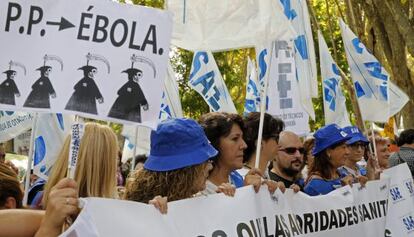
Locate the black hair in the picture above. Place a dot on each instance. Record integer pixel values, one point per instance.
(406, 137)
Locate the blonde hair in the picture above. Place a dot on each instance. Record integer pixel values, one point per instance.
(96, 166)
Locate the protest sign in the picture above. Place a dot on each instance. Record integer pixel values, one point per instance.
(344, 212)
(13, 124)
(98, 59)
(400, 219)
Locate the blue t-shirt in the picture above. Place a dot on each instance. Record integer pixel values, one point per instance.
(321, 187)
(343, 171)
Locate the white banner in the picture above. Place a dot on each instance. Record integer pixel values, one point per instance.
(344, 212)
(51, 131)
(219, 25)
(13, 124)
(206, 79)
(378, 99)
(283, 90)
(400, 219)
(333, 100)
(99, 59)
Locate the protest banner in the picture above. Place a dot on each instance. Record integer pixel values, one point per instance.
(98, 59)
(285, 100)
(13, 124)
(76, 134)
(400, 219)
(344, 212)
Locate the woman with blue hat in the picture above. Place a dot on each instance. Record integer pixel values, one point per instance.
(330, 152)
(357, 145)
(177, 166)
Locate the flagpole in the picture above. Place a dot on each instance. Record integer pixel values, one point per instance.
(135, 150)
(29, 161)
(263, 110)
(373, 141)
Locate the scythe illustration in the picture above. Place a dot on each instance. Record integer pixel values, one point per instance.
(90, 57)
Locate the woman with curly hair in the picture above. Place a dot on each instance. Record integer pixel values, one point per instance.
(177, 166)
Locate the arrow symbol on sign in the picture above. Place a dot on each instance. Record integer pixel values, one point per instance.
(63, 24)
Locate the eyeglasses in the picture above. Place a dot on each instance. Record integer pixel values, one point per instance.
(357, 145)
(292, 150)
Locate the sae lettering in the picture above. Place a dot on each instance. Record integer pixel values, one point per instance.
(408, 223)
(395, 194)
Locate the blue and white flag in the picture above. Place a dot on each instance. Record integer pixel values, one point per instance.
(252, 102)
(284, 94)
(51, 131)
(297, 12)
(13, 124)
(378, 99)
(206, 79)
(333, 99)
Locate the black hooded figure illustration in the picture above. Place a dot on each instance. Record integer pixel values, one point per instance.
(42, 90)
(130, 98)
(8, 89)
(86, 93)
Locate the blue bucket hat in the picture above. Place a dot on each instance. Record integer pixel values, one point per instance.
(327, 136)
(178, 143)
(355, 135)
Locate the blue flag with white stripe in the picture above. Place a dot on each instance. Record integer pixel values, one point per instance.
(378, 98)
(333, 99)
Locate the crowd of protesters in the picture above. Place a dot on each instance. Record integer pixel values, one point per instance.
(188, 158)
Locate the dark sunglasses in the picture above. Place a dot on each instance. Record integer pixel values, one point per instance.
(292, 150)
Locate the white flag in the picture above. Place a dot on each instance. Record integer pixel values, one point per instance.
(297, 12)
(372, 84)
(206, 79)
(252, 102)
(13, 124)
(333, 99)
(219, 25)
(51, 131)
(283, 91)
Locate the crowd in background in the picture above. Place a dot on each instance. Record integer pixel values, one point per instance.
(188, 158)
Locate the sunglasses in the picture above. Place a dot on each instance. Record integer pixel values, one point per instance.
(292, 150)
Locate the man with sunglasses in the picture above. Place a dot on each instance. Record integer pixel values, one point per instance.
(357, 145)
(288, 164)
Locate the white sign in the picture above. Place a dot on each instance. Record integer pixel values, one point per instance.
(400, 219)
(283, 90)
(99, 59)
(14, 123)
(344, 212)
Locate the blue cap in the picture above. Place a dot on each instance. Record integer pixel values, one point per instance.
(178, 143)
(355, 135)
(327, 136)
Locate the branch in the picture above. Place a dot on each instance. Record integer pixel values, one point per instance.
(403, 24)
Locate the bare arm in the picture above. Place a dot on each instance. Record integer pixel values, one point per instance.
(20, 222)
